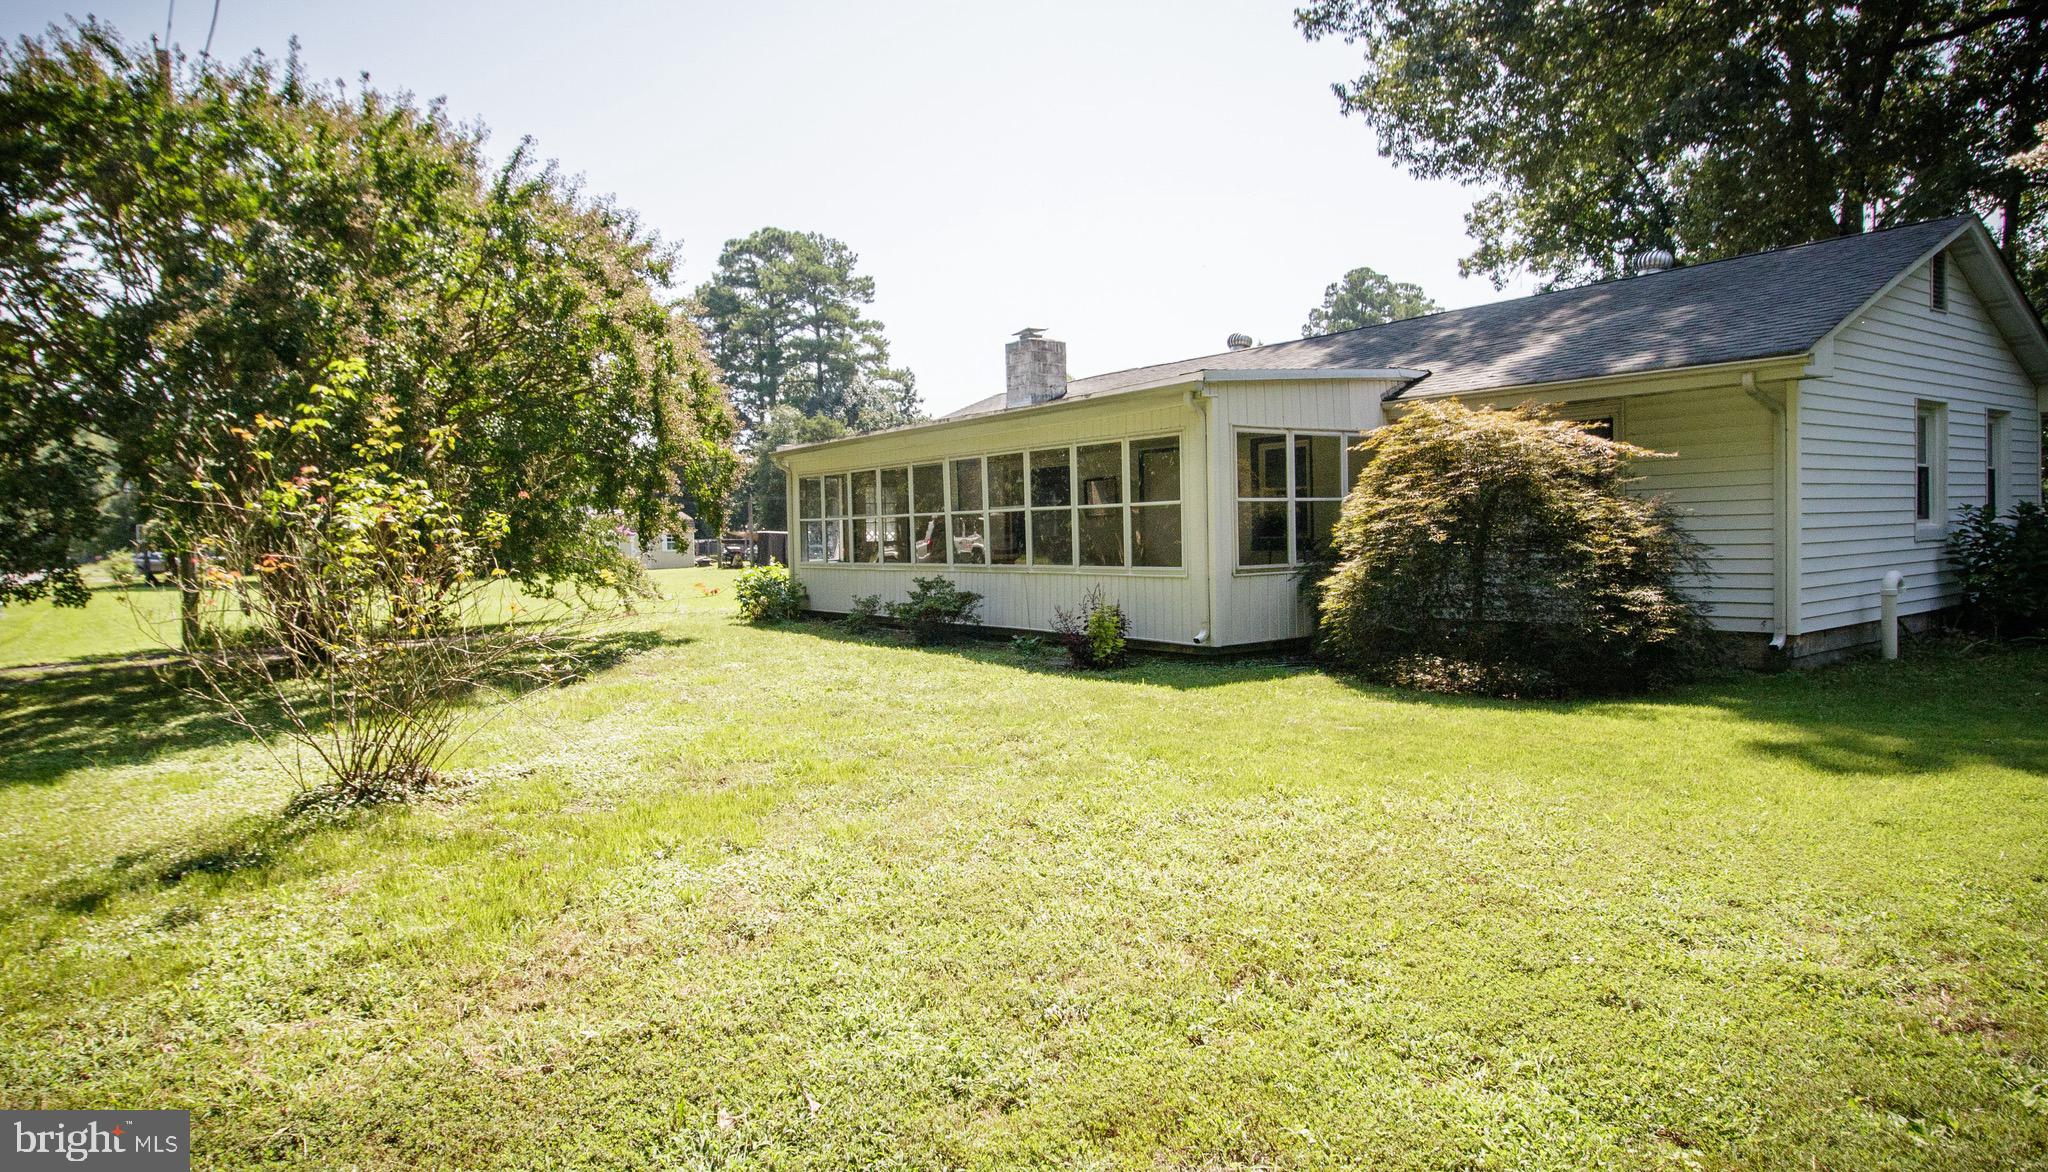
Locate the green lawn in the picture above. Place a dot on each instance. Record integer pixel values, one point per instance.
(791, 898)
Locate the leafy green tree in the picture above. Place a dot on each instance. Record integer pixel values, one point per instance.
(188, 248)
(785, 318)
(1706, 129)
(763, 495)
(1502, 551)
(1366, 297)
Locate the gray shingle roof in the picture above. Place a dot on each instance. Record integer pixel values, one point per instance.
(1761, 305)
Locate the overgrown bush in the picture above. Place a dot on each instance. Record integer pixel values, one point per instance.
(768, 594)
(1501, 552)
(1094, 633)
(936, 609)
(2002, 566)
(347, 616)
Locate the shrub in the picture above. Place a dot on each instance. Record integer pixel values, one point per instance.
(1094, 633)
(1027, 645)
(767, 594)
(1500, 552)
(346, 616)
(867, 608)
(935, 609)
(2002, 566)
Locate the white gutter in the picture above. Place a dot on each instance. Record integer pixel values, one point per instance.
(1314, 374)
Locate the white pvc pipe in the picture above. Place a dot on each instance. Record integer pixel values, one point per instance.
(1888, 621)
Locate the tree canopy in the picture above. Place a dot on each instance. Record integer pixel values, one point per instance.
(785, 316)
(189, 247)
(1366, 297)
(1706, 129)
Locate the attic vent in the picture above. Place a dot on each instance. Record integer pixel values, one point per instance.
(1238, 341)
(1649, 260)
(1938, 298)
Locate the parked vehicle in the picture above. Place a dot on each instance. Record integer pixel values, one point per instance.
(151, 562)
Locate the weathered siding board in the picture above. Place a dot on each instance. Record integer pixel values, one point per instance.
(1856, 446)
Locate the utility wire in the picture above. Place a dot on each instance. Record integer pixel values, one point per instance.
(208, 50)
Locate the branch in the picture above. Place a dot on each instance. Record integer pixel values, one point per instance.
(1982, 20)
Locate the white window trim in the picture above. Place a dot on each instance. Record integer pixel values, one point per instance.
(1998, 462)
(1073, 509)
(1347, 476)
(1934, 526)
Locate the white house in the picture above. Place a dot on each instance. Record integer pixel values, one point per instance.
(1828, 408)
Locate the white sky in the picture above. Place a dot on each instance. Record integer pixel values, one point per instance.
(1140, 178)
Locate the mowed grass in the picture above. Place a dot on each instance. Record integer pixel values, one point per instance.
(790, 898)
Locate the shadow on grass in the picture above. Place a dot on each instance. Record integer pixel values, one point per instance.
(1939, 708)
(249, 843)
(128, 714)
(1155, 668)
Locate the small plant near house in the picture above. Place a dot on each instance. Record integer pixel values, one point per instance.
(2002, 566)
(1028, 646)
(1094, 633)
(936, 609)
(1502, 552)
(767, 594)
(866, 613)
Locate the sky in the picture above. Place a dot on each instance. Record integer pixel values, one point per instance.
(1141, 178)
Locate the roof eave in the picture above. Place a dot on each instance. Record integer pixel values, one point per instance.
(1035, 409)
(1765, 366)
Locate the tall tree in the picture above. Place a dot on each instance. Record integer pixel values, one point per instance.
(1707, 129)
(761, 500)
(1366, 297)
(186, 249)
(785, 318)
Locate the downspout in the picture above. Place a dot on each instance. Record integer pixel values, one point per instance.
(1199, 397)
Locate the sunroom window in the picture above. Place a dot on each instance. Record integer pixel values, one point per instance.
(1101, 505)
(1290, 489)
(1052, 498)
(928, 521)
(1006, 509)
(1155, 502)
(970, 522)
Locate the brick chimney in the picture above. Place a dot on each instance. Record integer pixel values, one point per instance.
(1036, 369)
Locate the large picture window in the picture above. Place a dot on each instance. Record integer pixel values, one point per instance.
(1290, 488)
(1106, 505)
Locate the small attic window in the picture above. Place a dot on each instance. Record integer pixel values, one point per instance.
(1938, 295)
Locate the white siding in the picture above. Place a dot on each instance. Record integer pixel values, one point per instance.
(1722, 482)
(1856, 447)
(1165, 606)
(1260, 605)
(1719, 475)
